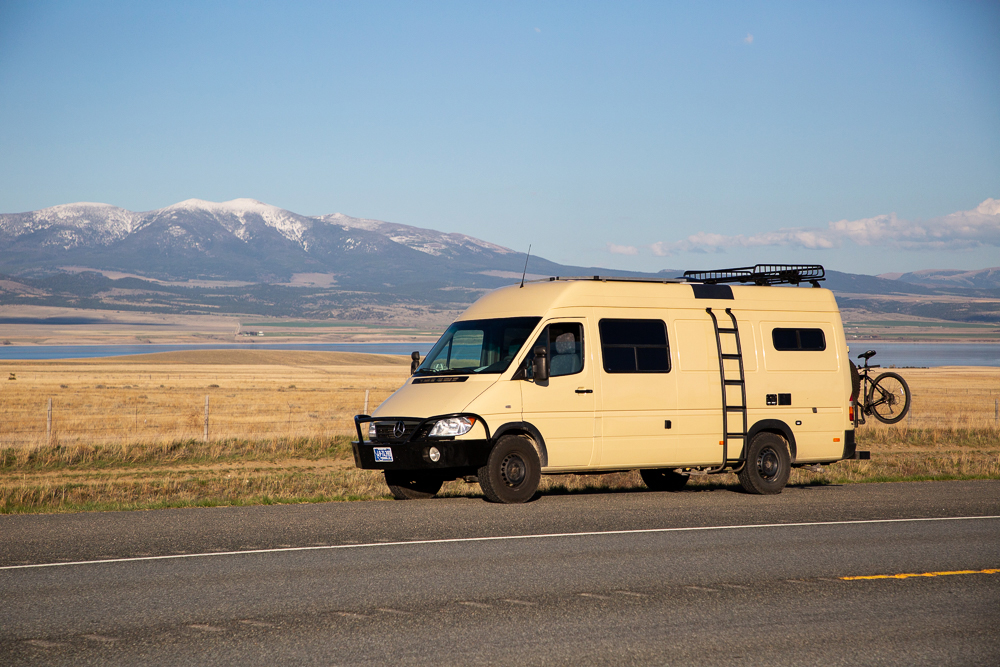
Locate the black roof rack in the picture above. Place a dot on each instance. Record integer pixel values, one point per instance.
(761, 274)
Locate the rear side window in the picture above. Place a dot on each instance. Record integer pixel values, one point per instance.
(634, 346)
(808, 340)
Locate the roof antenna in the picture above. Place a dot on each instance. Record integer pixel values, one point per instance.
(525, 272)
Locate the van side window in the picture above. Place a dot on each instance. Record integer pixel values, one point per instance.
(809, 340)
(565, 346)
(634, 346)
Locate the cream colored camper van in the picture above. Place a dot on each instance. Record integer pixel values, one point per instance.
(591, 375)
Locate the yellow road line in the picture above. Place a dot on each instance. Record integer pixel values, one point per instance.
(921, 574)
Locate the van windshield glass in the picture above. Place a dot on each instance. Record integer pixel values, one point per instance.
(478, 346)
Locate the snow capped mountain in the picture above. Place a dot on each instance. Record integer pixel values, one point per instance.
(84, 224)
(241, 216)
(981, 279)
(72, 225)
(425, 240)
(242, 239)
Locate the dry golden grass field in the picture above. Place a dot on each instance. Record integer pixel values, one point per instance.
(252, 394)
(128, 432)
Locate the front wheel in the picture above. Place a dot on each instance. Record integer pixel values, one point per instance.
(663, 480)
(889, 398)
(405, 485)
(767, 466)
(512, 471)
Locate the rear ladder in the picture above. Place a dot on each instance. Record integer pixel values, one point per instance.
(727, 382)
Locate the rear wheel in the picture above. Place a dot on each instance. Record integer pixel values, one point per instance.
(889, 398)
(768, 465)
(663, 480)
(512, 472)
(407, 485)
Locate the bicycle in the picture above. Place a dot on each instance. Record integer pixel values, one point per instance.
(887, 397)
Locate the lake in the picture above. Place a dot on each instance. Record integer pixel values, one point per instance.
(928, 354)
(39, 352)
(898, 354)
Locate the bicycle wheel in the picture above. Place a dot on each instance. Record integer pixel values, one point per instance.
(889, 398)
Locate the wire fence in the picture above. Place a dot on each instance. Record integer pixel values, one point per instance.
(950, 407)
(50, 413)
(210, 417)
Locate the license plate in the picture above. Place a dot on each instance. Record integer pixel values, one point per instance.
(383, 454)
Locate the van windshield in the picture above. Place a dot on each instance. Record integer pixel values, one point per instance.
(478, 346)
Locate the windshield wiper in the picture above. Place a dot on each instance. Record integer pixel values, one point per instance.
(445, 371)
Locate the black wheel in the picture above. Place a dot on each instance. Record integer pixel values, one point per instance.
(512, 472)
(889, 398)
(409, 485)
(663, 480)
(767, 466)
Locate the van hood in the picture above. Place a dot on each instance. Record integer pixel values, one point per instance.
(430, 399)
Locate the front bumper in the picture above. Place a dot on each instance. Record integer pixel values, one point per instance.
(411, 452)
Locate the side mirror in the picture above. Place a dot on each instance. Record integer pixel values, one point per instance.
(540, 364)
(414, 362)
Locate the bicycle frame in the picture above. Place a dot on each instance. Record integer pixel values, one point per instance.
(862, 405)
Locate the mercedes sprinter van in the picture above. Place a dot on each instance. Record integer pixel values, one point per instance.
(594, 375)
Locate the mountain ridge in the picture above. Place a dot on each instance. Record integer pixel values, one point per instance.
(988, 278)
(248, 256)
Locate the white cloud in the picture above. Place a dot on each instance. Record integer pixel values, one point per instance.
(955, 231)
(538, 29)
(622, 249)
(748, 39)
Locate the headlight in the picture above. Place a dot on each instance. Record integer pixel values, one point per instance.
(451, 427)
(371, 431)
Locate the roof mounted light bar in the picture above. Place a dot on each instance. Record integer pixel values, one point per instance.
(761, 274)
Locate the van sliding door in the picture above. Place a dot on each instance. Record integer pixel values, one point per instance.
(638, 391)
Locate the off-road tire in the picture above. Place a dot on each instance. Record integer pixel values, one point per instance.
(767, 466)
(512, 471)
(663, 479)
(411, 485)
(892, 395)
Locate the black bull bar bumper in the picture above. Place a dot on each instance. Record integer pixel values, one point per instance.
(411, 451)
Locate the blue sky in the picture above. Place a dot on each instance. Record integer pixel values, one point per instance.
(626, 135)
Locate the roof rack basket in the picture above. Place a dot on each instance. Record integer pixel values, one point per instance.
(761, 274)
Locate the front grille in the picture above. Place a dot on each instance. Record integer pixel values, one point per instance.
(387, 431)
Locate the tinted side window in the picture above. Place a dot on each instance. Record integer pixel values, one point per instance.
(634, 346)
(810, 340)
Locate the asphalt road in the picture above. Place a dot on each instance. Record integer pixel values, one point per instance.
(698, 577)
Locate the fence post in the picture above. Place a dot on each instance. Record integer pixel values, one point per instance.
(206, 418)
(48, 425)
(366, 402)
(996, 410)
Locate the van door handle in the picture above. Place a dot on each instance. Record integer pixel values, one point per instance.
(581, 390)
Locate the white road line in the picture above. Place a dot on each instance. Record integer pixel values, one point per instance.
(498, 538)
